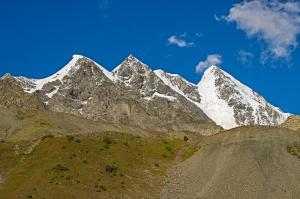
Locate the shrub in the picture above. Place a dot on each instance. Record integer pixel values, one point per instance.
(111, 169)
(168, 148)
(108, 140)
(101, 188)
(70, 138)
(294, 149)
(185, 138)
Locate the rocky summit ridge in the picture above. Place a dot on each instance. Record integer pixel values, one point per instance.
(134, 94)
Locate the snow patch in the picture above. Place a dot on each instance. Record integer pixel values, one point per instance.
(53, 92)
(162, 75)
(66, 70)
(216, 109)
(156, 94)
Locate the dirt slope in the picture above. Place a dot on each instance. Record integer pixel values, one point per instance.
(293, 122)
(247, 162)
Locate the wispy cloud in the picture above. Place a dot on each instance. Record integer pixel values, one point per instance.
(275, 23)
(180, 41)
(214, 59)
(245, 57)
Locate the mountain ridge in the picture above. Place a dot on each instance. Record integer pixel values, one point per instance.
(133, 80)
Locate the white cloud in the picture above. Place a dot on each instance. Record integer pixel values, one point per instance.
(245, 57)
(213, 59)
(275, 23)
(179, 41)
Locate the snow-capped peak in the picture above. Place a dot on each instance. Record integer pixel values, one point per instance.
(225, 100)
(72, 66)
(132, 58)
(32, 85)
(131, 63)
(230, 103)
(6, 75)
(130, 70)
(106, 72)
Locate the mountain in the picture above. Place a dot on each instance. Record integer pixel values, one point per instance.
(225, 100)
(230, 103)
(135, 94)
(132, 94)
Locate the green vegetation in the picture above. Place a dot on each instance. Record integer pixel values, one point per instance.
(21, 115)
(88, 167)
(32, 126)
(294, 149)
(111, 169)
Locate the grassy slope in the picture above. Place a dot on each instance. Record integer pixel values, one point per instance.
(30, 125)
(141, 164)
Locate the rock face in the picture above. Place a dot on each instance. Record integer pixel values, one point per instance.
(13, 97)
(180, 85)
(134, 94)
(230, 103)
(225, 100)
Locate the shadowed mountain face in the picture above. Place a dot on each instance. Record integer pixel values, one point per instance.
(134, 94)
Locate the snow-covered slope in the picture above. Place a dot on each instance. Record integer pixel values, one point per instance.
(224, 99)
(32, 85)
(230, 103)
(179, 85)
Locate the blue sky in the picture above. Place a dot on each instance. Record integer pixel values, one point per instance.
(38, 37)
